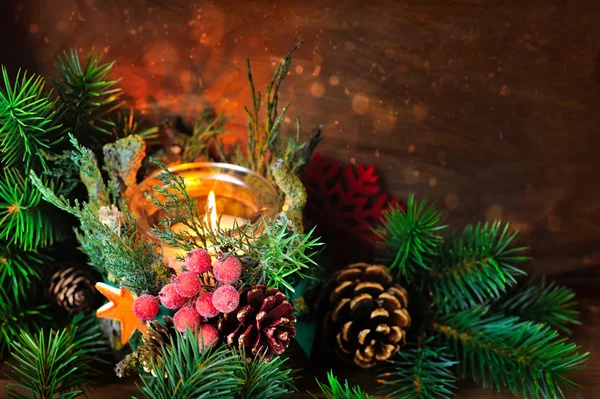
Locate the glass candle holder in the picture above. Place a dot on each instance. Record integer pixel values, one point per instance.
(240, 194)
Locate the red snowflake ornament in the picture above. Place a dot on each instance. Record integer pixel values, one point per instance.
(345, 203)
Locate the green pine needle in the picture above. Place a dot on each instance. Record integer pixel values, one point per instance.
(410, 239)
(499, 351)
(56, 364)
(335, 390)
(264, 380)
(420, 372)
(22, 220)
(185, 372)
(542, 302)
(17, 315)
(27, 126)
(19, 268)
(476, 267)
(89, 96)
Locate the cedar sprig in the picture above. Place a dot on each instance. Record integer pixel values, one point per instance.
(476, 267)
(89, 96)
(410, 238)
(542, 302)
(28, 124)
(334, 389)
(422, 371)
(186, 372)
(500, 351)
(56, 364)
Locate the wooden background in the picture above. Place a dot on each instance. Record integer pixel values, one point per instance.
(487, 106)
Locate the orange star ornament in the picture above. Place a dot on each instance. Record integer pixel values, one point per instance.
(120, 308)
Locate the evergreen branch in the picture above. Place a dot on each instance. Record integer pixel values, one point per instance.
(27, 121)
(476, 267)
(420, 372)
(410, 239)
(186, 372)
(541, 302)
(131, 122)
(17, 315)
(499, 351)
(89, 97)
(22, 221)
(264, 380)
(19, 268)
(209, 126)
(56, 364)
(335, 390)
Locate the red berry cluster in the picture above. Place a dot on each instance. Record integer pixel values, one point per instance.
(184, 293)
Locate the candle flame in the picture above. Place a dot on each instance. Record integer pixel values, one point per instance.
(211, 208)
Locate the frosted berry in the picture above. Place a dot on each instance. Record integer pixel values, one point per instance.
(145, 307)
(207, 336)
(228, 270)
(170, 298)
(205, 307)
(226, 299)
(187, 284)
(186, 317)
(198, 261)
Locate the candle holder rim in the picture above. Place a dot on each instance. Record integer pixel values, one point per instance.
(224, 165)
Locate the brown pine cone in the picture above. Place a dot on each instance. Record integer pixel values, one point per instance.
(72, 288)
(368, 315)
(263, 323)
(158, 337)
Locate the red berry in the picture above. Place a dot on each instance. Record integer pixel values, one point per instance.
(226, 299)
(187, 284)
(228, 270)
(205, 307)
(207, 336)
(170, 298)
(198, 261)
(145, 307)
(186, 317)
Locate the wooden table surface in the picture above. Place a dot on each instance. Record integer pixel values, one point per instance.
(587, 335)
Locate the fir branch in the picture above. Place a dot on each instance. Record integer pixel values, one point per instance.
(335, 390)
(186, 372)
(56, 364)
(528, 358)
(17, 315)
(27, 121)
(476, 267)
(410, 239)
(264, 380)
(22, 220)
(420, 372)
(19, 268)
(541, 302)
(89, 96)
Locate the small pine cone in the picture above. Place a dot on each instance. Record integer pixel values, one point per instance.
(262, 323)
(72, 289)
(368, 315)
(158, 338)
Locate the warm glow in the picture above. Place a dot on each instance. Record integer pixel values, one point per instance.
(211, 208)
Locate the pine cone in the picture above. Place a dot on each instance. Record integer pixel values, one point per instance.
(262, 323)
(72, 289)
(368, 314)
(157, 339)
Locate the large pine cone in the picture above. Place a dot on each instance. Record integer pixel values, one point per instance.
(72, 288)
(263, 323)
(157, 339)
(368, 315)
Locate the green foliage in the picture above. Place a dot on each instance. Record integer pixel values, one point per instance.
(420, 372)
(476, 267)
(499, 351)
(263, 380)
(208, 127)
(27, 121)
(56, 364)
(115, 250)
(130, 122)
(335, 390)
(542, 302)
(89, 97)
(19, 268)
(271, 250)
(17, 315)
(410, 239)
(186, 372)
(22, 221)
